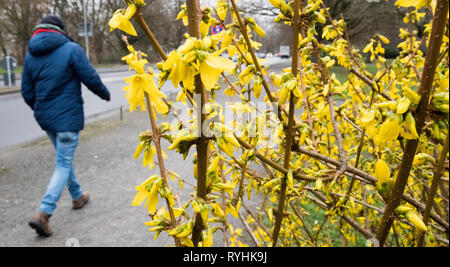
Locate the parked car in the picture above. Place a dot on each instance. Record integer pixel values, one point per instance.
(285, 51)
(261, 55)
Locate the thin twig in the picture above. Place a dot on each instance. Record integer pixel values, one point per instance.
(250, 49)
(300, 217)
(433, 189)
(157, 141)
(248, 229)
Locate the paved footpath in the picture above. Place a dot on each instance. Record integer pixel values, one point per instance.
(105, 168)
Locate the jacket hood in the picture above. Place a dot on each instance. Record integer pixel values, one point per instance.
(46, 42)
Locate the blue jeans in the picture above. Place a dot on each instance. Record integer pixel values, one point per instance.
(65, 144)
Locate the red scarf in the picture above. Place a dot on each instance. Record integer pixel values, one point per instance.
(44, 30)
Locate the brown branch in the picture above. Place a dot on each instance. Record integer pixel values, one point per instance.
(250, 49)
(244, 33)
(331, 104)
(248, 229)
(433, 189)
(420, 206)
(299, 215)
(157, 140)
(307, 107)
(356, 200)
(366, 233)
(338, 135)
(139, 18)
(437, 32)
(358, 155)
(291, 121)
(193, 11)
(256, 219)
(224, 205)
(296, 175)
(370, 83)
(162, 170)
(369, 178)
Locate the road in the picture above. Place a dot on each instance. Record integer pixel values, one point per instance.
(17, 124)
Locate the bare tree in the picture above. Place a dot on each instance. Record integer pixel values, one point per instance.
(4, 36)
(160, 16)
(98, 14)
(19, 18)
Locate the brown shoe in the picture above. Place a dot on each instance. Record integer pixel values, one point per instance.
(79, 203)
(40, 223)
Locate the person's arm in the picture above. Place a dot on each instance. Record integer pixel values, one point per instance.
(28, 93)
(87, 74)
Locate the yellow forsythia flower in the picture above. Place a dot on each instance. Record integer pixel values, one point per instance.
(121, 20)
(148, 190)
(389, 130)
(368, 117)
(403, 105)
(382, 172)
(193, 58)
(408, 129)
(222, 8)
(140, 84)
(212, 67)
(276, 3)
(418, 4)
(140, 2)
(412, 216)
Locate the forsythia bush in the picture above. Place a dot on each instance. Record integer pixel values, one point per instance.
(356, 161)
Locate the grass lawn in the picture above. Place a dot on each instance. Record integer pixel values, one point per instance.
(107, 66)
(342, 73)
(328, 231)
(18, 70)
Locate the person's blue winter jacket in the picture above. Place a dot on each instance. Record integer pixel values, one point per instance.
(51, 82)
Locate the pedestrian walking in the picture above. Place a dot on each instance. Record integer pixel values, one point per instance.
(54, 68)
